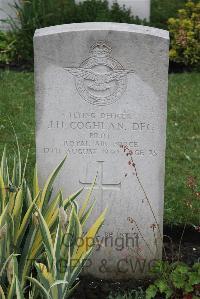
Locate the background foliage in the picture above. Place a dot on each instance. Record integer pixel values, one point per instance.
(37, 14)
(185, 36)
(16, 47)
(162, 10)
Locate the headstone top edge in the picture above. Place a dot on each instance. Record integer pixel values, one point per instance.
(95, 26)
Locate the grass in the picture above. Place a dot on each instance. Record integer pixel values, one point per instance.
(183, 133)
(17, 106)
(135, 294)
(183, 146)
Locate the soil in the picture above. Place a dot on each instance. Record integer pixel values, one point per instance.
(188, 252)
(179, 68)
(16, 67)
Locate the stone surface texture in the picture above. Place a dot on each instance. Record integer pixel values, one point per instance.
(6, 10)
(100, 86)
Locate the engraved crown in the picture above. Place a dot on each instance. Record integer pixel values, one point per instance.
(100, 49)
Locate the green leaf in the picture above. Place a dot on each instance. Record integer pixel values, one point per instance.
(85, 203)
(52, 209)
(182, 268)
(168, 293)
(40, 287)
(178, 281)
(67, 270)
(87, 214)
(3, 216)
(17, 211)
(12, 271)
(69, 292)
(194, 278)
(161, 285)
(2, 192)
(28, 196)
(196, 267)
(43, 275)
(151, 292)
(78, 267)
(188, 288)
(4, 168)
(164, 287)
(11, 290)
(19, 291)
(25, 165)
(48, 186)
(58, 282)
(90, 235)
(57, 244)
(46, 235)
(74, 233)
(2, 293)
(71, 198)
(36, 188)
(11, 230)
(14, 173)
(5, 264)
(25, 222)
(179, 275)
(26, 260)
(19, 164)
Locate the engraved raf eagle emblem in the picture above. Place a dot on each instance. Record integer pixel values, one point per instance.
(100, 79)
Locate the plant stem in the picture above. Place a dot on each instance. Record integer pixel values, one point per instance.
(143, 237)
(179, 248)
(152, 211)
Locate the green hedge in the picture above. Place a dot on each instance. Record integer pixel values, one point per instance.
(185, 36)
(37, 14)
(162, 10)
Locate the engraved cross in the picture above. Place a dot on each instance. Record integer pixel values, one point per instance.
(100, 185)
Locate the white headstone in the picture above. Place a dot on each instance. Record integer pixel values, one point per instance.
(100, 86)
(6, 9)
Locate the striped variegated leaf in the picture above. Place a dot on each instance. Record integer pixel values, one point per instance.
(24, 224)
(73, 234)
(87, 214)
(47, 241)
(2, 193)
(4, 168)
(2, 293)
(19, 291)
(89, 236)
(17, 211)
(40, 287)
(44, 275)
(48, 187)
(36, 188)
(88, 196)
